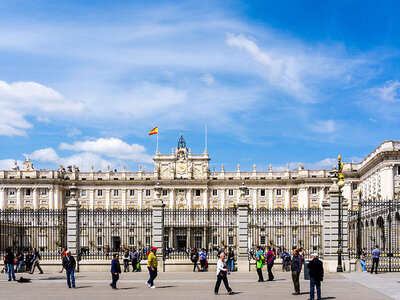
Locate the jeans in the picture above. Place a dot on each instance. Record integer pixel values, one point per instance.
(18, 268)
(260, 274)
(375, 262)
(363, 265)
(218, 283)
(126, 265)
(70, 277)
(134, 263)
(269, 268)
(296, 282)
(115, 278)
(10, 271)
(231, 264)
(153, 275)
(318, 285)
(36, 264)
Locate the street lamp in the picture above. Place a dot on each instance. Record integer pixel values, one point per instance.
(340, 185)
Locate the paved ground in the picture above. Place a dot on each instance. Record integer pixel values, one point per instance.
(199, 286)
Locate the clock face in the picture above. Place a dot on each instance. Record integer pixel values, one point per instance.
(181, 168)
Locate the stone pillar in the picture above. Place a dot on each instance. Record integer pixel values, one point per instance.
(243, 263)
(171, 199)
(51, 197)
(20, 191)
(223, 198)
(35, 197)
(255, 192)
(140, 199)
(91, 199)
(189, 199)
(108, 206)
(321, 196)
(123, 192)
(73, 231)
(56, 197)
(287, 198)
(205, 198)
(3, 204)
(271, 198)
(158, 226)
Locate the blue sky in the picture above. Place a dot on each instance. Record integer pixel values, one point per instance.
(276, 82)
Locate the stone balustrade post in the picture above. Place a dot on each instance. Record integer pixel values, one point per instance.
(158, 226)
(243, 264)
(73, 230)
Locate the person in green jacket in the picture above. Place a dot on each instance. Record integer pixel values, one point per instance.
(260, 258)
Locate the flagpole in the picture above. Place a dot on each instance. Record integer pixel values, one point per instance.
(157, 138)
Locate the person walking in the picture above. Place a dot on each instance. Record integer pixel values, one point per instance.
(194, 257)
(285, 260)
(203, 259)
(316, 271)
(134, 257)
(36, 261)
(62, 259)
(9, 262)
(260, 260)
(222, 273)
(115, 271)
(231, 260)
(375, 259)
(295, 266)
(270, 258)
(28, 261)
(20, 261)
(69, 265)
(126, 259)
(152, 265)
(363, 262)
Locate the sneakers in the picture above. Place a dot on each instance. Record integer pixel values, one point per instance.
(153, 287)
(148, 284)
(296, 293)
(215, 293)
(230, 293)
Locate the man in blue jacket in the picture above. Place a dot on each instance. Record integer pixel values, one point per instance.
(115, 271)
(295, 266)
(375, 259)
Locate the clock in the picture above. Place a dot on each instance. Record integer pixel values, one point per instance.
(181, 168)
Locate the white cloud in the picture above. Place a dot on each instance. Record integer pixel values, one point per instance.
(325, 164)
(111, 147)
(21, 99)
(73, 132)
(8, 164)
(45, 155)
(327, 126)
(208, 79)
(390, 91)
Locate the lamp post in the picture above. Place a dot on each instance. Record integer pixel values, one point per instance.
(341, 185)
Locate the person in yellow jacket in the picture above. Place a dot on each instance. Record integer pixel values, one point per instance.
(152, 267)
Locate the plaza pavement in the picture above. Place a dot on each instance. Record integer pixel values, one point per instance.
(52, 285)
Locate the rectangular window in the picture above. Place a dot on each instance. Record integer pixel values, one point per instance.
(355, 186)
(43, 192)
(262, 193)
(230, 192)
(215, 192)
(131, 240)
(83, 193)
(11, 192)
(247, 192)
(262, 240)
(67, 193)
(148, 240)
(165, 192)
(197, 193)
(294, 192)
(278, 192)
(131, 193)
(315, 240)
(100, 193)
(230, 241)
(27, 192)
(313, 191)
(148, 192)
(99, 241)
(215, 240)
(116, 193)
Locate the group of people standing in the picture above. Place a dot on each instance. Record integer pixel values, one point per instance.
(15, 263)
(376, 253)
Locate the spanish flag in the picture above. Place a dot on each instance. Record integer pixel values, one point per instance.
(154, 131)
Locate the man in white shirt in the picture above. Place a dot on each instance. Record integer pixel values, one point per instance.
(222, 273)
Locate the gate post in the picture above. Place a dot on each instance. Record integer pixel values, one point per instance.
(158, 225)
(73, 231)
(243, 264)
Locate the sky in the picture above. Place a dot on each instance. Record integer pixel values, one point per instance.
(275, 82)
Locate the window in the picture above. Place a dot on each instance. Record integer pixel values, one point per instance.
(148, 240)
(262, 193)
(215, 192)
(262, 240)
(131, 193)
(11, 192)
(230, 192)
(278, 192)
(315, 240)
(197, 193)
(313, 191)
(355, 186)
(116, 193)
(43, 192)
(247, 192)
(294, 192)
(83, 193)
(148, 192)
(67, 193)
(27, 192)
(165, 192)
(131, 240)
(99, 241)
(230, 241)
(398, 170)
(115, 178)
(215, 240)
(100, 193)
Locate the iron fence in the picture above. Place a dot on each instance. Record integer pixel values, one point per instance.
(103, 232)
(211, 229)
(286, 229)
(376, 223)
(25, 229)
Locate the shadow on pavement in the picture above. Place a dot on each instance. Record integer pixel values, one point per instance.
(83, 287)
(165, 286)
(127, 288)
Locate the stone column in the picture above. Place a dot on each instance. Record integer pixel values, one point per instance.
(3, 204)
(171, 198)
(91, 199)
(255, 192)
(189, 199)
(56, 197)
(271, 198)
(140, 198)
(321, 195)
(73, 231)
(108, 199)
(35, 197)
(243, 224)
(51, 197)
(287, 198)
(158, 226)
(19, 197)
(223, 198)
(123, 192)
(205, 198)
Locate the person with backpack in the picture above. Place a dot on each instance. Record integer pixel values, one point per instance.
(9, 262)
(260, 260)
(222, 272)
(203, 259)
(36, 261)
(194, 257)
(270, 258)
(69, 265)
(285, 260)
(316, 271)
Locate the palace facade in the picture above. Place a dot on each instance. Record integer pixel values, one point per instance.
(187, 182)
